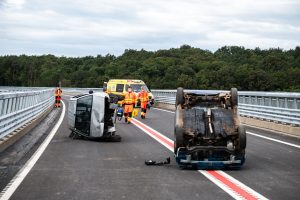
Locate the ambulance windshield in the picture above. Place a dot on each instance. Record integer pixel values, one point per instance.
(137, 87)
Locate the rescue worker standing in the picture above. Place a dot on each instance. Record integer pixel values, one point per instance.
(57, 94)
(129, 102)
(144, 99)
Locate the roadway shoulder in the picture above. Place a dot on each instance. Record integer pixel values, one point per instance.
(16, 155)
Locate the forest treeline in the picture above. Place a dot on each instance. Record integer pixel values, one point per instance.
(188, 67)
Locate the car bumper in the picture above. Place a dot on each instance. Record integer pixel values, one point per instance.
(184, 160)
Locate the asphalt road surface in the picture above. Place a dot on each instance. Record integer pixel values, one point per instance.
(82, 169)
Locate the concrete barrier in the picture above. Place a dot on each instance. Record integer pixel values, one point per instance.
(277, 127)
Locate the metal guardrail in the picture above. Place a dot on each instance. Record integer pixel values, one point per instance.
(81, 90)
(19, 107)
(282, 107)
(66, 89)
(15, 89)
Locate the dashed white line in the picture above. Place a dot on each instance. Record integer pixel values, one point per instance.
(164, 110)
(20, 176)
(272, 139)
(68, 95)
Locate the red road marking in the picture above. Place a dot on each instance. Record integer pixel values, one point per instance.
(231, 185)
(224, 180)
(155, 134)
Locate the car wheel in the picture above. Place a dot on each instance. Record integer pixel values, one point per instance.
(234, 97)
(179, 96)
(179, 141)
(242, 137)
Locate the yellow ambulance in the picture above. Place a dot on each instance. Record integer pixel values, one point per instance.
(119, 87)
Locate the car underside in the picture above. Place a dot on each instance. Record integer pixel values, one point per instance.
(208, 133)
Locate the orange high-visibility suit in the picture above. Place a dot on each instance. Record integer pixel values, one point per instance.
(129, 101)
(57, 94)
(144, 98)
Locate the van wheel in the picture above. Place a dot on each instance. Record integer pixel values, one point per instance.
(179, 96)
(234, 97)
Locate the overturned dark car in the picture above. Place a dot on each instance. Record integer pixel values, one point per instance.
(208, 133)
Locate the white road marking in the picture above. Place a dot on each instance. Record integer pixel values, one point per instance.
(272, 139)
(242, 185)
(164, 110)
(68, 95)
(233, 187)
(165, 141)
(20, 176)
(251, 133)
(221, 185)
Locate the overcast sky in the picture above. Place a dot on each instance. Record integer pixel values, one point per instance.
(92, 27)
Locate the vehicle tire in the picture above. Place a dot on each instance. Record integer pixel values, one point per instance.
(179, 96)
(178, 139)
(242, 137)
(234, 97)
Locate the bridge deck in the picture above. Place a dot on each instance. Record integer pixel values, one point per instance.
(80, 169)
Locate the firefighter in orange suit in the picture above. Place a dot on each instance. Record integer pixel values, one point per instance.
(57, 94)
(129, 103)
(144, 99)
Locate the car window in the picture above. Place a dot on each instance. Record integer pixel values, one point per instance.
(120, 88)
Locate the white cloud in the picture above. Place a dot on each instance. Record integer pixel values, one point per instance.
(18, 4)
(77, 28)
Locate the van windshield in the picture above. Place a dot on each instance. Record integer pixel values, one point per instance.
(137, 87)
